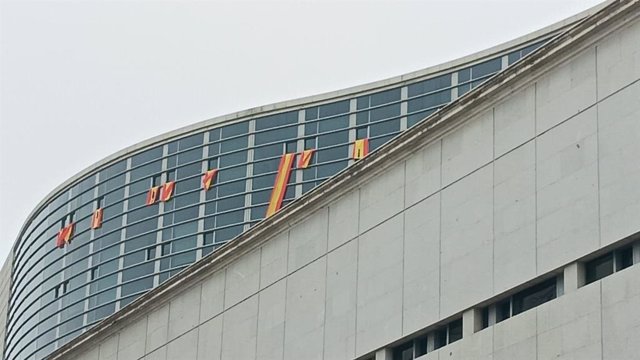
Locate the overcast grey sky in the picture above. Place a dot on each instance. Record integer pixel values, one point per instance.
(80, 80)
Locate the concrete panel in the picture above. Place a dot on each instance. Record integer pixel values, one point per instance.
(569, 327)
(184, 312)
(476, 347)
(210, 339)
(567, 182)
(157, 328)
(270, 335)
(109, 348)
(620, 315)
(515, 338)
(515, 218)
(343, 219)
(382, 198)
(159, 354)
(467, 148)
(308, 240)
(467, 242)
(243, 278)
(132, 339)
(379, 302)
(421, 281)
(423, 173)
(515, 121)
(305, 312)
(212, 296)
(239, 330)
(618, 60)
(184, 347)
(273, 262)
(90, 354)
(566, 90)
(340, 317)
(619, 149)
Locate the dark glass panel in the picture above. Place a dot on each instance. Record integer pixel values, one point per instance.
(429, 101)
(455, 330)
(430, 85)
(385, 97)
(233, 173)
(340, 107)
(385, 112)
(486, 68)
(335, 153)
(384, 128)
(146, 156)
(231, 188)
(534, 296)
(233, 144)
(331, 169)
(233, 159)
(268, 151)
(233, 217)
(311, 113)
(340, 137)
(272, 121)
(228, 233)
(232, 130)
(191, 141)
(599, 267)
(275, 135)
(336, 123)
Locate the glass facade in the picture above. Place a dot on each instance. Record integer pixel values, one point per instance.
(57, 293)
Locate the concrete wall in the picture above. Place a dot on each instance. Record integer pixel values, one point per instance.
(524, 188)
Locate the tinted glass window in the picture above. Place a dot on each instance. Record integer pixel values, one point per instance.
(534, 296)
(598, 268)
(268, 122)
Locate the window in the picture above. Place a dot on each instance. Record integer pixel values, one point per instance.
(599, 267)
(520, 302)
(419, 345)
(608, 263)
(534, 296)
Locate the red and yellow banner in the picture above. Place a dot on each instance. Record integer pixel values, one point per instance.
(209, 178)
(305, 158)
(167, 190)
(360, 148)
(96, 220)
(152, 195)
(64, 236)
(280, 185)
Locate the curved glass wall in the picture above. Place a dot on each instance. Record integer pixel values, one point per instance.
(57, 293)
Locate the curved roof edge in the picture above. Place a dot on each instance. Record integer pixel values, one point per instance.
(319, 98)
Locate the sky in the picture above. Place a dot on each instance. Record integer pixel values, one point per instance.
(80, 80)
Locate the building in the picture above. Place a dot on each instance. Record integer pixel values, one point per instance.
(500, 224)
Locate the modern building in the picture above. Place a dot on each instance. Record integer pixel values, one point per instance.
(485, 208)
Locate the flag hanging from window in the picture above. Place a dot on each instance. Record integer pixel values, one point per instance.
(360, 148)
(96, 220)
(209, 178)
(305, 158)
(167, 190)
(152, 195)
(280, 185)
(64, 236)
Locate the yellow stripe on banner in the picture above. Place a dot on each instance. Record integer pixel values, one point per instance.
(280, 185)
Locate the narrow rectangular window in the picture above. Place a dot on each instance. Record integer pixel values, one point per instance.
(599, 267)
(503, 310)
(455, 330)
(534, 296)
(624, 258)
